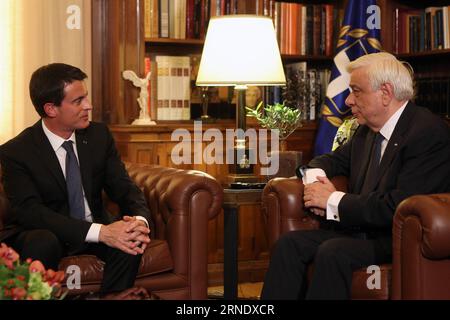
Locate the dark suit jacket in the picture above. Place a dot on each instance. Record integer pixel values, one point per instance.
(416, 161)
(36, 188)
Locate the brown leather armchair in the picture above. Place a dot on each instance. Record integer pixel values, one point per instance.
(283, 209)
(421, 248)
(421, 241)
(174, 266)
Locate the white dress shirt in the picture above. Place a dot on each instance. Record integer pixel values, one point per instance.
(386, 131)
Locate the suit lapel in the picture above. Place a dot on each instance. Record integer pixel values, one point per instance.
(45, 151)
(396, 140)
(85, 161)
(365, 161)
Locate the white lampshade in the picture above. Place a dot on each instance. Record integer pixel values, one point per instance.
(241, 50)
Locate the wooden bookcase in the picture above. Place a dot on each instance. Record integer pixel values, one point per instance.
(428, 65)
(119, 44)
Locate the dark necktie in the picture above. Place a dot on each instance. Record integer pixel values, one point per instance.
(74, 184)
(374, 164)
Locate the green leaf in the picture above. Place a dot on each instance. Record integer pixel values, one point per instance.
(277, 116)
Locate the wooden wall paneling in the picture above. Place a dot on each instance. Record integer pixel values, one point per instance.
(118, 45)
(387, 27)
(133, 59)
(98, 41)
(112, 90)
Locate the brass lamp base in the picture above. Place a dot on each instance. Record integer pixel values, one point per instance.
(242, 169)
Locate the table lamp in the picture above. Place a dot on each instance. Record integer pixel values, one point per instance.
(241, 51)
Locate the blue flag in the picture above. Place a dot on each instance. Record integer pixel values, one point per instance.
(359, 35)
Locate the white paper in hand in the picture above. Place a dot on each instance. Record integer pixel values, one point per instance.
(311, 175)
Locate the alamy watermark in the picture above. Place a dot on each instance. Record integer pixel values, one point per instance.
(73, 21)
(374, 20)
(73, 277)
(374, 280)
(190, 150)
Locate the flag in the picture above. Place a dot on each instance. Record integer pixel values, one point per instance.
(359, 35)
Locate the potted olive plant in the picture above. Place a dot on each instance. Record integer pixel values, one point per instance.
(286, 120)
(277, 116)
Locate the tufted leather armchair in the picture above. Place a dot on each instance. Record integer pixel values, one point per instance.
(421, 240)
(421, 248)
(174, 266)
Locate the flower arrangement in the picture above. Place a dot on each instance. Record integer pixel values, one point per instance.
(278, 116)
(27, 280)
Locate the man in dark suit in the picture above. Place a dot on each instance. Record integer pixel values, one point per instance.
(398, 150)
(53, 175)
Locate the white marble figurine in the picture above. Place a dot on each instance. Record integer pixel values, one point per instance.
(142, 83)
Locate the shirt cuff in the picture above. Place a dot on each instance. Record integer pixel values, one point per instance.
(142, 219)
(333, 205)
(93, 233)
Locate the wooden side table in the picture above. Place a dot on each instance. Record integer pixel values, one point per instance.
(233, 199)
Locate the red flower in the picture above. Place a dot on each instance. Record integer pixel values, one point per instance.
(8, 256)
(54, 277)
(20, 278)
(7, 293)
(18, 293)
(37, 266)
(19, 281)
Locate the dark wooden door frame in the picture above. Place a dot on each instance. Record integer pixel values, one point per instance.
(118, 44)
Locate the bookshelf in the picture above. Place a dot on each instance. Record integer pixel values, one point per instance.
(178, 42)
(119, 43)
(431, 64)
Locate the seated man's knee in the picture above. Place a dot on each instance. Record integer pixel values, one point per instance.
(120, 255)
(285, 240)
(42, 245)
(330, 249)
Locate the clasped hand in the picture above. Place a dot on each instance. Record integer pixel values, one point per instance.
(130, 235)
(315, 195)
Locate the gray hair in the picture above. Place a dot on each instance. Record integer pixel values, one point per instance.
(383, 67)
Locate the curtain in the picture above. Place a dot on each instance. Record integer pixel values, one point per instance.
(35, 33)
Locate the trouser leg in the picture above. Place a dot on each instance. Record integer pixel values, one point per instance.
(290, 257)
(120, 269)
(40, 245)
(335, 261)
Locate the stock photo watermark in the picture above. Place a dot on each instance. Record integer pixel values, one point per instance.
(374, 280)
(374, 20)
(73, 281)
(73, 21)
(190, 148)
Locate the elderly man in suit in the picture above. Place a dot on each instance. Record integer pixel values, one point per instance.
(398, 150)
(54, 173)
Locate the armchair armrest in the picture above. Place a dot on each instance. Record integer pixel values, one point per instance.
(421, 248)
(282, 206)
(425, 218)
(181, 203)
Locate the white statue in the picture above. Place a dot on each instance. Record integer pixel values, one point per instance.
(142, 83)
